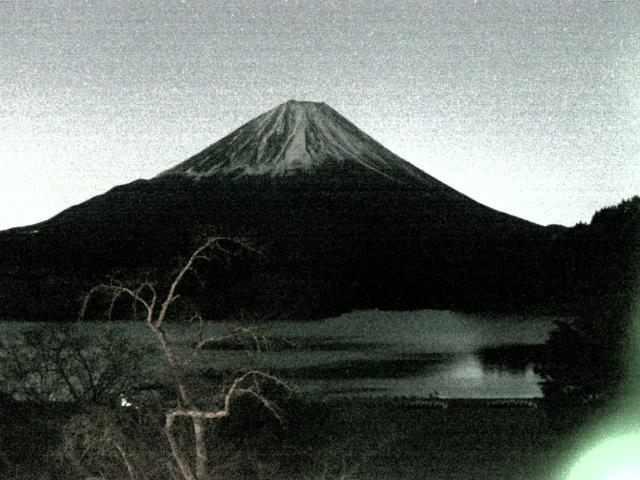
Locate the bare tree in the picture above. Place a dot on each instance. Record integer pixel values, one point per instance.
(154, 306)
(59, 363)
(93, 438)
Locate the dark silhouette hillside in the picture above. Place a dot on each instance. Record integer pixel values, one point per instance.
(343, 224)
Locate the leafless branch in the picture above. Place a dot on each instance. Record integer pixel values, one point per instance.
(156, 308)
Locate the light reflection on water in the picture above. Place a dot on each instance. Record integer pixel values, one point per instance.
(379, 353)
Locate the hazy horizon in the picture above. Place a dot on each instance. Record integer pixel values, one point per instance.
(530, 108)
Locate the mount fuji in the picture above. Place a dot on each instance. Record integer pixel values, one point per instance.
(344, 223)
(293, 138)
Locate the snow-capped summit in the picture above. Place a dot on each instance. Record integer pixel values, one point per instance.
(296, 137)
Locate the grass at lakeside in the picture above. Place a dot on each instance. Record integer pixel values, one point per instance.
(346, 439)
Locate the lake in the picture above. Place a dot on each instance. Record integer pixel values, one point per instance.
(376, 353)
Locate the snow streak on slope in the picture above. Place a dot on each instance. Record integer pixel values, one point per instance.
(296, 137)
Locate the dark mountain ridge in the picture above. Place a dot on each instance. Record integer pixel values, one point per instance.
(343, 223)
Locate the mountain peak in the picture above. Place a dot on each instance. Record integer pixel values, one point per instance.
(294, 137)
(302, 104)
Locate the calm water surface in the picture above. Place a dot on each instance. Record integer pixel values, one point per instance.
(376, 353)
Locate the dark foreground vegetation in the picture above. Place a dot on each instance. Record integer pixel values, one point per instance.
(589, 356)
(346, 439)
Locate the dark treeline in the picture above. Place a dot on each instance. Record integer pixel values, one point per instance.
(588, 356)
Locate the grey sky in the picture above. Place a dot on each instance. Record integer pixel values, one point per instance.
(531, 107)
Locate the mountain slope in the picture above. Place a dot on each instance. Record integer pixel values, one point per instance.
(344, 224)
(297, 137)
